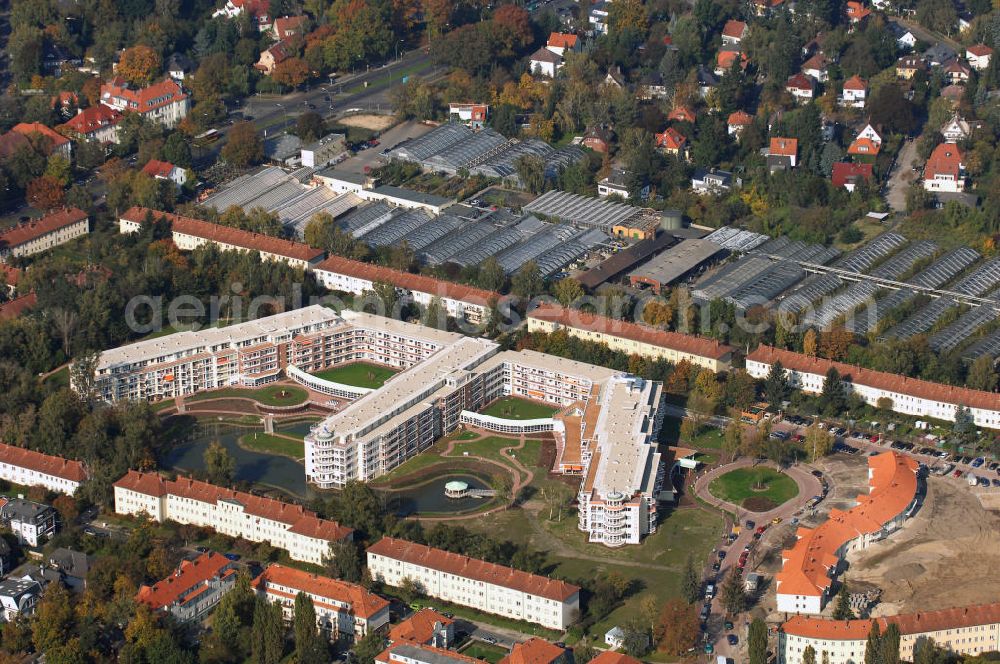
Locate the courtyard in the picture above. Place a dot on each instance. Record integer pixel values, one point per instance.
(514, 408)
(358, 374)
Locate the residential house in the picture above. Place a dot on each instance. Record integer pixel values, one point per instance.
(30, 468)
(472, 114)
(164, 102)
(979, 56)
(9, 277)
(537, 651)
(179, 66)
(958, 129)
(801, 87)
(651, 87)
(560, 42)
(18, 306)
(33, 134)
(817, 67)
(855, 92)
(599, 17)
(18, 597)
(726, 58)
(598, 139)
(713, 181)
(288, 26)
(905, 39)
(425, 627)
(545, 62)
(707, 80)
(74, 566)
(193, 590)
(908, 66)
(672, 142)
(164, 170)
(38, 235)
(733, 32)
(616, 184)
(408, 652)
(957, 72)
(939, 55)
(738, 122)
(681, 114)
(856, 13)
(95, 123)
(785, 148)
(325, 151)
(273, 56)
(849, 175)
(765, 7)
(945, 169)
(32, 523)
(864, 147)
(258, 9)
(614, 78)
(67, 103)
(953, 93)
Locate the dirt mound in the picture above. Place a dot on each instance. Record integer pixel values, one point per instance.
(759, 504)
(368, 121)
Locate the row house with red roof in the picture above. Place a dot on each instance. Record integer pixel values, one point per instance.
(42, 234)
(165, 102)
(343, 610)
(34, 134)
(476, 583)
(193, 590)
(293, 528)
(30, 468)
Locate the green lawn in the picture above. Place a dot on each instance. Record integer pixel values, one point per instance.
(737, 486)
(271, 444)
(492, 654)
(58, 379)
(513, 408)
(709, 438)
(358, 374)
(272, 395)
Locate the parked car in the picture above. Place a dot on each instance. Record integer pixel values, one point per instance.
(751, 525)
(958, 473)
(817, 473)
(995, 482)
(732, 639)
(977, 462)
(776, 520)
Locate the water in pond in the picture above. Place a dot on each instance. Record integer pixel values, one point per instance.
(430, 499)
(266, 469)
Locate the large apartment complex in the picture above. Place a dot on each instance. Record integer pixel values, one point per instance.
(909, 396)
(248, 354)
(624, 471)
(476, 583)
(632, 338)
(30, 468)
(343, 610)
(293, 528)
(808, 568)
(968, 630)
(193, 589)
(42, 234)
(190, 233)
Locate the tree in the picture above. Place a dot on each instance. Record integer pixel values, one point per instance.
(220, 466)
(734, 598)
(344, 561)
(527, 281)
(842, 610)
(809, 343)
(268, 633)
(501, 484)
(757, 642)
(54, 618)
(82, 373)
(531, 172)
(292, 72)
(243, 148)
(45, 193)
(435, 315)
(568, 291)
(657, 314)
(139, 65)
(635, 641)
(732, 437)
(776, 385)
(873, 644)
(809, 655)
(177, 151)
(309, 647)
(677, 628)
(983, 374)
(818, 443)
(833, 398)
(59, 169)
(367, 649)
(492, 276)
(889, 645)
(310, 127)
(690, 582)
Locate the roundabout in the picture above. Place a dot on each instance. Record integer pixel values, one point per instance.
(755, 488)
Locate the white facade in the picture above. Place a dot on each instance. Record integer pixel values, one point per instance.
(32, 523)
(30, 468)
(45, 233)
(978, 60)
(854, 97)
(525, 600)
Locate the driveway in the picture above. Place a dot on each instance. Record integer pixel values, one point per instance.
(902, 176)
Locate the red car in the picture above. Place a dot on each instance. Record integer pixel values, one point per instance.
(761, 529)
(873, 438)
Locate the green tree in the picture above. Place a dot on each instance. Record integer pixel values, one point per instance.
(531, 172)
(176, 150)
(842, 610)
(268, 633)
(310, 127)
(220, 466)
(691, 582)
(776, 385)
(732, 437)
(889, 645)
(243, 147)
(809, 655)
(359, 507)
(309, 645)
(54, 618)
(492, 276)
(983, 374)
(757, 642)
(833, 398)
(734, 598)
(527, 281)
(344, 561)
(568, 291)
(873, 646)
(366, 649)
(818, 443)
(435, 315)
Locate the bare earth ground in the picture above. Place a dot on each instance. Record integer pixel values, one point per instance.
(372, 122)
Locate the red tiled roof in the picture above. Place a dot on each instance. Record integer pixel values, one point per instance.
(889, 382)
(893, 482)
(434, 654)
(671, 139)
(855, 83)
(856, 11)
(286, 26)
(29, 128)
(740, 118)
(946, 159)
(545, 55)
(612, 657)
(150, 484)
(844, 173)
(725, 59)
(11, 275)
(42, 463)
(734, 29)
(785, 147)
(534, 651)
(267, 508)
(144, 99)
(155, 168)
(363, 603)
(684, 343)
(227, 235)
(979, 50)
(681, 114)
(413, 282)
(93, 118)
(191, 574)
(316, 528)
(473, 568)
(18, 235)
(18, 306)
(419, 628)
(864, 146)
(908, 623)
(562, 40)
(817, 62)
(799, 82)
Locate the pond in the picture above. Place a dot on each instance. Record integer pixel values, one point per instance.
(265, 469)
(429, 498)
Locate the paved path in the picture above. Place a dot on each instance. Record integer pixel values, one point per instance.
(808, 485)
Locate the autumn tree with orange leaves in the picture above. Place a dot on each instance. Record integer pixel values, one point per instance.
(45, 193)
(292, 72)
(676, 631)
(139, 65)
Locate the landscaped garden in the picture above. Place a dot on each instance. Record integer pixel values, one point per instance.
(514, 408)
(272, 395)
(274, 444)
(358, 374)
(758, 489)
